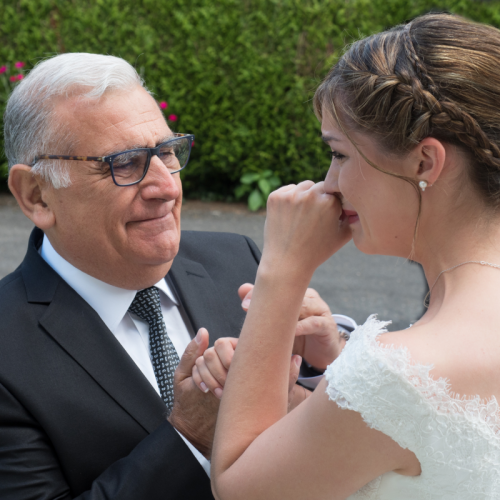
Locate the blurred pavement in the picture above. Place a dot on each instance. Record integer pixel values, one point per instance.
(351, 282)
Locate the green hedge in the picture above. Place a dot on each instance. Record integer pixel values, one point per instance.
(239, 74)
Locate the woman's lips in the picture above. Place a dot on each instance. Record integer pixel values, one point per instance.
(351, 216)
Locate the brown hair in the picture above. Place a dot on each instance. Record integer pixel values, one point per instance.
(438, 76)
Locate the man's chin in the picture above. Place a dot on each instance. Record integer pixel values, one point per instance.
(155, 253)
(153, 228)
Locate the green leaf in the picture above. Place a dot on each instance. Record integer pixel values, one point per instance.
(249, 178)
(255, 200)
(274, 182)
(241, 190)
(264, 187)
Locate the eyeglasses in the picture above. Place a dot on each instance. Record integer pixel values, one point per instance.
(130, 167)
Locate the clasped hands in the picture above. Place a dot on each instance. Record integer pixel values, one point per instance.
(202, 372)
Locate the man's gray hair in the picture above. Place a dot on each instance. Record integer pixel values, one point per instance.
(29, 127)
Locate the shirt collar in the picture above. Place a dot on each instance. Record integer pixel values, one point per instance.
(110, 302)
(165, 288)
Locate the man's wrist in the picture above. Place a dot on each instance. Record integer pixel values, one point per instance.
(202, 460)
(200, 443)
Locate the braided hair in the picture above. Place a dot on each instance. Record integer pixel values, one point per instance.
(438, 76)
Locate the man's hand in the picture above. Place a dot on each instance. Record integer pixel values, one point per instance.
(211, 369)
(194, 413)
(317, 338)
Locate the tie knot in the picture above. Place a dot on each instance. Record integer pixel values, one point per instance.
(146, 305)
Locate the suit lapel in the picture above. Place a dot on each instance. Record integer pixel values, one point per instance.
(78, 329)
(200, 298)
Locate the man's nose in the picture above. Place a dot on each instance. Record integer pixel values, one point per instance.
(159, 182)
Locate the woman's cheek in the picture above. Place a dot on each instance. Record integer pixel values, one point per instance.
(348, 186)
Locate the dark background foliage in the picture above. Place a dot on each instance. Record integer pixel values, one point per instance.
(239, 74)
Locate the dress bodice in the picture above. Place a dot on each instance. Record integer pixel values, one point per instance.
(456, 440)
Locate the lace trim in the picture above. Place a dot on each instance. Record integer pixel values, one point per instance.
(437, 392)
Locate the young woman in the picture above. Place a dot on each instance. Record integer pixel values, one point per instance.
(412, 118)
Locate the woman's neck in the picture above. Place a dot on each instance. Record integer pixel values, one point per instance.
(466, 236)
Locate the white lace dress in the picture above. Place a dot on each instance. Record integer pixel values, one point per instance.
(456, 440)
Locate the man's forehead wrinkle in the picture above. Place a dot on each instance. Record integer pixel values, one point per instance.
(137, 145)
(143, 135)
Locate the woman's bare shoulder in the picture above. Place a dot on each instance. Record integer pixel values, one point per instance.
(467, 359)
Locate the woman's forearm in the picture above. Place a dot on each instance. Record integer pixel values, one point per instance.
(303, 229)
(256, 391)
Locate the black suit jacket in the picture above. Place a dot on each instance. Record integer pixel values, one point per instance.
(78, 419)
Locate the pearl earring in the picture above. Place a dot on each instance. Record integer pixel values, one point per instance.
(422, 185)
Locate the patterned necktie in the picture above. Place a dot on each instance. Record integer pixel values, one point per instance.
(146, 305)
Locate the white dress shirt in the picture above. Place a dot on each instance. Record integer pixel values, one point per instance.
(111, 304)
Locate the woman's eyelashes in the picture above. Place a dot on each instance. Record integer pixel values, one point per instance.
(337, 156)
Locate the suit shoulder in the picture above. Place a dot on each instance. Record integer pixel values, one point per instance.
(197, 237)
(213, 240)
(208, 245)
(9, 283)
(13, 303)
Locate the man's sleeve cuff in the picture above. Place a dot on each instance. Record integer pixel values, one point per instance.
(203, 461)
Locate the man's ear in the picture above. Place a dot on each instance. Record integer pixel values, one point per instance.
(431, 156)
(29, 189)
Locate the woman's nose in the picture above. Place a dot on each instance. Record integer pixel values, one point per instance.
(332, 179)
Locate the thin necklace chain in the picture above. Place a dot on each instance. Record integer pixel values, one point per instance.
(481, 262)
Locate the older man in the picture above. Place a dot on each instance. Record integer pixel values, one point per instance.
(95, 319)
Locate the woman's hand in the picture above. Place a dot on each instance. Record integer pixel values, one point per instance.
(303, 228)
(210, 371)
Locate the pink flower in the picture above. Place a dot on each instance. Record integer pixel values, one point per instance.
(192, 144)
(12, 78)
(163, 105)
(3, 69)
(19, 77)
(172, 118)
(19, 64)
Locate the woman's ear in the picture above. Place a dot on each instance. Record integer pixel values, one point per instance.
(29, 189)
(431, 157)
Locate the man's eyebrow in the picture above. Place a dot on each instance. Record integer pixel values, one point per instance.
(165, 138)
(329, 138)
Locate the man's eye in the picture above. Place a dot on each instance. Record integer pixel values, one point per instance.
(166, 152)
(337, 156)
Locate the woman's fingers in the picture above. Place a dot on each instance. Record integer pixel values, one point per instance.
(225, 350)
(210, 370)
(245, 294)
(303, 227)
(207, 378)
(198, 380)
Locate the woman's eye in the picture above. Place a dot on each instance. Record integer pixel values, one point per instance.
(337, 156)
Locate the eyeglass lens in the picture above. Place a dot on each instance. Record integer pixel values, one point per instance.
(129, 167)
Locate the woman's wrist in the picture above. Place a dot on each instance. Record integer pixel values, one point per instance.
(284, 270)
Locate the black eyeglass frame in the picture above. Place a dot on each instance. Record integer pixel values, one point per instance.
(109, 159)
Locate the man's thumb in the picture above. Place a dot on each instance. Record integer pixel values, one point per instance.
(193, 351)
(295, 363)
